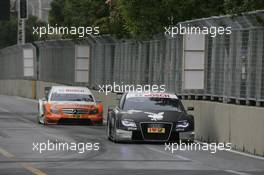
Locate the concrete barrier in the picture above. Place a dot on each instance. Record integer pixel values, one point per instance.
(22, 88)
(243, 126)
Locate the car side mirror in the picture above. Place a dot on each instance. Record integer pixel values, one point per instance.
(110, 108)
(98, 101)
(47, 90)
(43, 100)
(119, 96)
(190, 108)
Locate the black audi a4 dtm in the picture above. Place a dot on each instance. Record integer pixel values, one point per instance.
(149, 116)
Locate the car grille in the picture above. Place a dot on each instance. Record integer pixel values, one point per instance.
(75, 111)
(156, 136)
(72, 121)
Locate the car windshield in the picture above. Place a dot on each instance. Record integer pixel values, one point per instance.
(71, 97)
(153, 103)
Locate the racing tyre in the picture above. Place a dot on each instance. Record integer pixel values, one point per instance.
(114, 135)
(109, 136)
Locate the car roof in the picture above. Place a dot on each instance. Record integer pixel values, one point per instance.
(70, 90)
(151, 94)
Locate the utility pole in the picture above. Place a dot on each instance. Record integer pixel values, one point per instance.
(22, 17)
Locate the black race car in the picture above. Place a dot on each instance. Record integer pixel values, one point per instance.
(148, 116)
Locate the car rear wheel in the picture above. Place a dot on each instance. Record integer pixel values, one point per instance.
(109, 136)
(114, 134)
(100, 123)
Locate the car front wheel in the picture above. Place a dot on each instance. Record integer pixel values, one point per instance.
(41, 119)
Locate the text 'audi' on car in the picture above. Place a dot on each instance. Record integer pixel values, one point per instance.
(69, 105)
(149, 116)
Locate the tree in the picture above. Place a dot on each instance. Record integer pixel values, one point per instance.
(141, 19)
(117, 22)
(8, 30)
(145, 18)
(239, 6)
(80, 13)
(56, 14)
(88, 13)
(30, 23)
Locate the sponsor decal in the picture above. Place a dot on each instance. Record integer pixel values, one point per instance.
(72, 90)
(150, 95)
(131, 111)
(154, 116)
(159, 95)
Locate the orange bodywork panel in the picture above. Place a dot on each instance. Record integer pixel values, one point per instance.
(55, 112)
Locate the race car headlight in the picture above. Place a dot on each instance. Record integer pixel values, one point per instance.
(182, 124)
(54, 111)
(128, 123)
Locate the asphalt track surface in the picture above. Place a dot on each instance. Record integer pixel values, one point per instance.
(19, 130)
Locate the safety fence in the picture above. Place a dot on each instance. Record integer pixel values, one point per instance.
(229, 67)
(18, 62)
(234, 63)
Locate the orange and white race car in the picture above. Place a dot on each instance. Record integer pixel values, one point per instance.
(67, 105)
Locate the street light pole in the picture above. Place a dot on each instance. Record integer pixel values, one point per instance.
(21, 32)
(22, 16)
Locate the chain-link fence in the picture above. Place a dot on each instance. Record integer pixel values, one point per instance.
(149, 62)
(56, 61)
(232, 68)
(234, 63)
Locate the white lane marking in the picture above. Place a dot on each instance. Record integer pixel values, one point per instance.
(6, 154)
(157, 150)
(22, 118)
(32, 169)
(236, 172)
(238, 152)
(5, 110)
(27, 166)
(245, 154)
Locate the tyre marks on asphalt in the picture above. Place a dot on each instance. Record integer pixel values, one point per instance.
(168, 154)
(26, 166)
(236, 172)
(4, 110)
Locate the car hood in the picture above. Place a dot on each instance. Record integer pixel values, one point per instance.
(152, 115)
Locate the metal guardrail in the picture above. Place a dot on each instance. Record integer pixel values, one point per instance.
(233, 63)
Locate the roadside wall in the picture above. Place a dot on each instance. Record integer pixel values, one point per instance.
(22, 88)
(243, 126)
